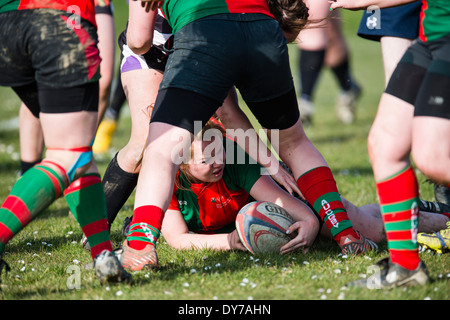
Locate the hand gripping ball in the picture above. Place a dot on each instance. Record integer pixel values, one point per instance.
(262, 226)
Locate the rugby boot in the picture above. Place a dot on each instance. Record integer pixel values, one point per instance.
(390, 275)
(306, 108)
(351, 245)
(85, 243)
(442, 194)
(109, 269)
(437, 241)
(434, 207)
(346, 105)
(126, 225)
(104, 136)
(3, 265)
(136, 260)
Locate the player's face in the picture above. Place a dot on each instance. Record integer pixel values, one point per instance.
(208, 161)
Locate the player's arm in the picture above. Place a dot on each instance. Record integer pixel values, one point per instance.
(177, 235)
(364, 4)
(306, 225)
(141, 24)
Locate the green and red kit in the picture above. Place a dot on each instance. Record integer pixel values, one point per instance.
(179, 12)
(434, 20)
(83, 8)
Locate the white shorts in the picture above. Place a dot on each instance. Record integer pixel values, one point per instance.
(132, 61)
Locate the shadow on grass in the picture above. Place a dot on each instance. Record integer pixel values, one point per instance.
(353, 171)
(176, 263)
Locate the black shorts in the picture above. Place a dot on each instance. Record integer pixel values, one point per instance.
(43, 52)
(422, 78)
(251, 54)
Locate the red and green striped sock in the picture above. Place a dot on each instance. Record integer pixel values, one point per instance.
(319, 189)
(86, 200)
(30, 195)
(399, 204)
(145, 226)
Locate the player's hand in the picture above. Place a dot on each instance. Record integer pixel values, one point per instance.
(347, 4)
(284, 178)
(306, 234)
(235, 242)
(151, 5)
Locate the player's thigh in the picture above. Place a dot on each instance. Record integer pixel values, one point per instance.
(162, 157)
(431, 132)
(392, 49)
(389, 141)
(68, 137)
(65, 113)
(69, 130)
(431, 139)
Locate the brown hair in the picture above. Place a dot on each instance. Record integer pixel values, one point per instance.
(292, 15)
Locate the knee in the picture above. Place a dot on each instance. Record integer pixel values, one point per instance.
(380, 148)
(229, 118)
(287, 145)
(79, 171)
(70, 165)
(83, 163)
(130, 157)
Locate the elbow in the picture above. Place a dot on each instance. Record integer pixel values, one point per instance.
(173, 243)
(139, 42)
(139, 46)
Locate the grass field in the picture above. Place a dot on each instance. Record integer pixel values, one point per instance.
(48, 262)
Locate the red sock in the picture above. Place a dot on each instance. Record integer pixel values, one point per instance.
(399, 204)
(320, 190)
(145, 226)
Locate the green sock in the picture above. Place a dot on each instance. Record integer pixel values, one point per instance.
(30, 195)
(86, 200)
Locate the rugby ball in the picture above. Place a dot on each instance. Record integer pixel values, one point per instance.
(262, 226)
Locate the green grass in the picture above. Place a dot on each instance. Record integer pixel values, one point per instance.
(42, 253)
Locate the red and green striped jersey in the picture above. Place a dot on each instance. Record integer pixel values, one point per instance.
(181, 12)
(83, 8)
(434, 19)
(213, 207)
